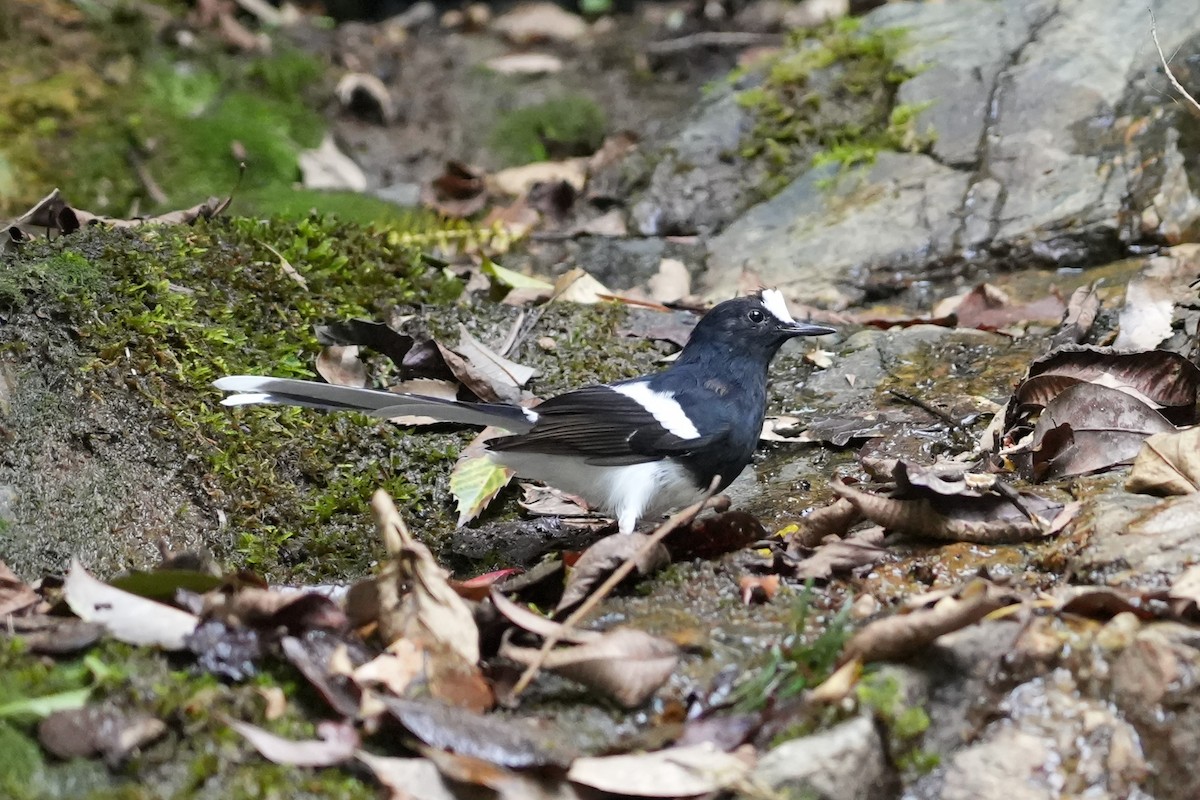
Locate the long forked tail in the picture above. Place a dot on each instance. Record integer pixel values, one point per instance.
(252, 389)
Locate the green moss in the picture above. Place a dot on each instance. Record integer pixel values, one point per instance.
(56, 277)
(905, 725)
(830, 99)
(566, 126)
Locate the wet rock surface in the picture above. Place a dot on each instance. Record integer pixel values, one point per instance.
(1049, 150)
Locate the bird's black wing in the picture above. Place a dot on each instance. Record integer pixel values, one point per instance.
(604, 426)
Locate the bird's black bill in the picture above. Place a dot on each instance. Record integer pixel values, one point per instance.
(807, 329)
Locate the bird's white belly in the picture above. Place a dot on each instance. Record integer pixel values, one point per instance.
(629, 493)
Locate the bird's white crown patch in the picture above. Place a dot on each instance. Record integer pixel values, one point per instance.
(772, 300)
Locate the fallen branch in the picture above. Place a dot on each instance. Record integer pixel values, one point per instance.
(710, 39)
(1195, 104)
(677, 520)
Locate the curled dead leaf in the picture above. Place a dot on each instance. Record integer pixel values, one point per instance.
(599, 561)
(1167, 464)
(902, 635)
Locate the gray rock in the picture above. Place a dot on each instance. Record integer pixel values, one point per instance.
(1053, 134)
(846, 761)
(694, 187)
(1138, 541)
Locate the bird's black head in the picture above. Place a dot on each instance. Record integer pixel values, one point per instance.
(754, 326)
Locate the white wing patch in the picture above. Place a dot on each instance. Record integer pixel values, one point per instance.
(772, 300)
(662, 407)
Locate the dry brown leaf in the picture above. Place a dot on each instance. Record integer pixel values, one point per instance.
(758, 588)
(902, 635)
(538, 22)
(459, 191)
(834, 519)
(105, 730)
(430, 612)
(366, 95)
(577, 286)
(1167, 464)
(409, 778)
(525, 64)
(599, 561)
(127, 617)
(15, 594)
(504, 741)
(625, 664)
(1082, 308)
(546, 501)
(674, 772)
(394, 670)
(980, 525)
(505, 376)
(337, 744)
(340, 365)
(838, 556)
(328, 168)
(1088, 428)
(672, 282)
(517, 181)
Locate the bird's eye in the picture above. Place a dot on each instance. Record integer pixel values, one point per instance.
(756, 316)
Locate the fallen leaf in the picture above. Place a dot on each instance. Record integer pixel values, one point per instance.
(338, 743)
(90, 731)
(989, 308)
(508, 784)
(1146, 319)
(340, 365)
(525, 64)
(15, 594)
(506, 741)
(625, 664)
(430, 612)
(673, 772)
(314, 655)
(902, 635)
(394, 670)
(1167, 464)
(758, 588)
(286, 267)
(513, 280)
(480, 587)
(366, 95)
(53, 635)
(459, 191)
(506, 377)
(672, 282)
(476, 479)
(546, 501)
(1089, 428)
(577, 286)
(517, 181)
(328, 168)
(540, 21)
(835, 556)
(381, 338)
(44, 705)
(834, 519)
(601, 559)
(127, 617)
(1082, 308)
(714, 536)
(409, 778)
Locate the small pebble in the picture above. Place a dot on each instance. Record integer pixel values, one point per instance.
(547, 344)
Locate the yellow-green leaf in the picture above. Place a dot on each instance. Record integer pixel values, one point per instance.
(476, 479)
(511, 278)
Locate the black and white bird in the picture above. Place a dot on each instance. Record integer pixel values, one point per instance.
(632, 449)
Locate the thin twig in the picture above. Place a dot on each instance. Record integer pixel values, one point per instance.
(1013, 496)
(1195, 104)
(677, 520)
(711, 39)
(510, 341)
(921, 404)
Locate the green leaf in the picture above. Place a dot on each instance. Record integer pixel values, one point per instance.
(474, 482)
(46, 704)
(511, 278)
(162, 584)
